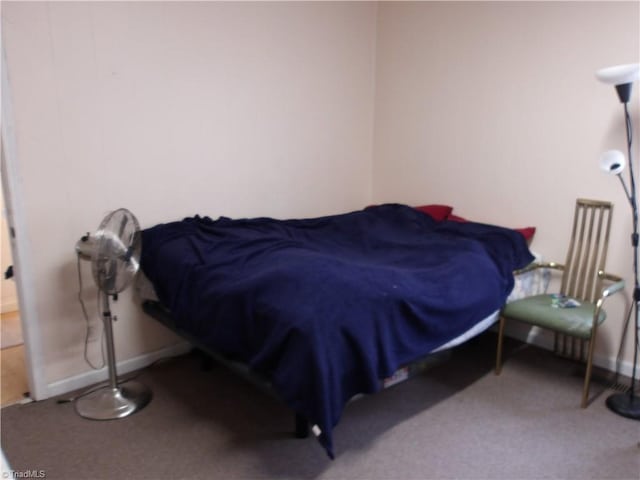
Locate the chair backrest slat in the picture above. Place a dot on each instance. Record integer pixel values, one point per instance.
(587, 249)
(593, 266)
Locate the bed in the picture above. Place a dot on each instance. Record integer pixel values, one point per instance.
(327, 308)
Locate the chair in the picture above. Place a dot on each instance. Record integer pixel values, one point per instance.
(583, 279)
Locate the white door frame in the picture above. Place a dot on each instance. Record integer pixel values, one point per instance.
(20, 245)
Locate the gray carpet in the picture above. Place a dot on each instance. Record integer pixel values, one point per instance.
(457, 420)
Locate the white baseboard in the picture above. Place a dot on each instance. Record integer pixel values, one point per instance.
(535, 337)
(96, 376)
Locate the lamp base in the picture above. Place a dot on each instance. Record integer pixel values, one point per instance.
(110, 403)
(625, 404)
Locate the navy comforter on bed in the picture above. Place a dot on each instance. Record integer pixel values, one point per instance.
(326, 307)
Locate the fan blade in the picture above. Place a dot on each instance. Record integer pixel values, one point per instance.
(116, 256)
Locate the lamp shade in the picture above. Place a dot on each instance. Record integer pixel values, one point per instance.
(619, 74)
(612, 161)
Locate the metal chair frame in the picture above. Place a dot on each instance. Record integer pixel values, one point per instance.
(583, 277)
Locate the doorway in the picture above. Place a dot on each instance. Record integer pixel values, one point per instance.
(13, 374)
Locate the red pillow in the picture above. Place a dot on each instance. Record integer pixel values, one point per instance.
(455, 218)
(437, 212)
(526, 232)
(443, 212)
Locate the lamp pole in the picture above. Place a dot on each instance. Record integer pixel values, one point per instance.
(628, 404)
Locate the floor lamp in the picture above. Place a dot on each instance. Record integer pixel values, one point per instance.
(613, 161)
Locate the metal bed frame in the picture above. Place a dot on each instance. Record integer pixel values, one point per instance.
(159, 312)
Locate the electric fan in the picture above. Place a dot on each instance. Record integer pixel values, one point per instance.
(114, 253)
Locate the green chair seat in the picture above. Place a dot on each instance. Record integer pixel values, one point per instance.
(537, 310)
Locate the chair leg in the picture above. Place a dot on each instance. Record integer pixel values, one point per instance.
(587, 375)
(499, 349)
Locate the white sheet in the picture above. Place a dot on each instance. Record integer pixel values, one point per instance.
(472, 332)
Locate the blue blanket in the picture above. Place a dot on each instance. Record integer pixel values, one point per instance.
(326, 307)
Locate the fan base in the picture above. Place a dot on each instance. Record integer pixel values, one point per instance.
(108, 403)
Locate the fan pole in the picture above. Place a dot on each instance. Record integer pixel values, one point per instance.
(108, 334)
(112, 401)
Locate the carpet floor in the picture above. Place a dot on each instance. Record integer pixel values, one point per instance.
(457, 420)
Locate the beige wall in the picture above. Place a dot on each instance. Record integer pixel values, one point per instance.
(173, 109)
(494, 109)
(176, 108)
